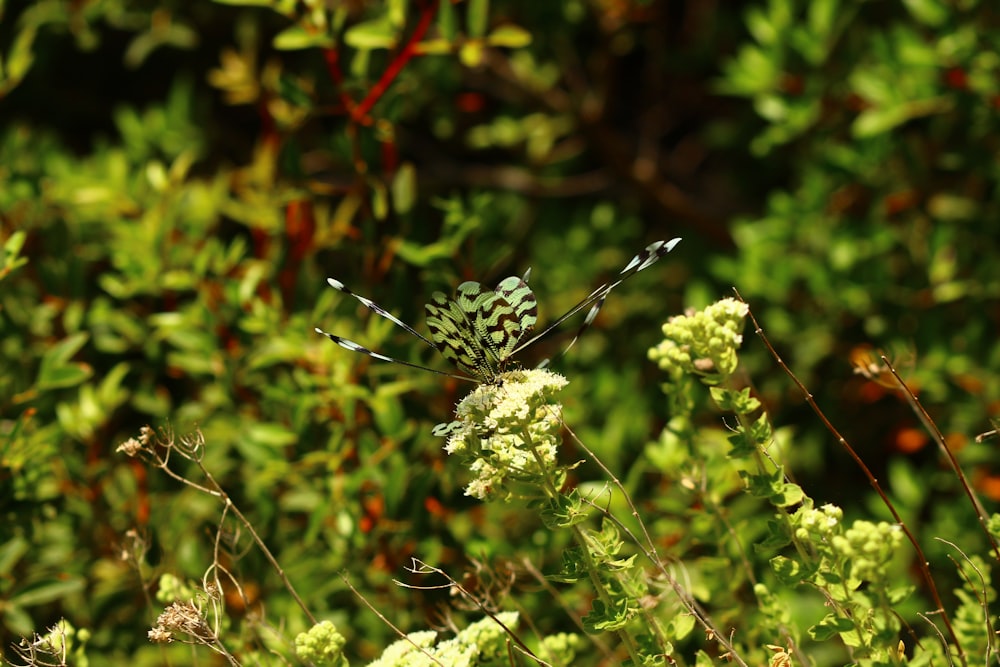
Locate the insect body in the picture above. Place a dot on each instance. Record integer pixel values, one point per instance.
(480, 330)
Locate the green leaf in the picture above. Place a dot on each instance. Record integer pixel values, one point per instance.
(56, 371)
(471, 53)
(607, 618)
(830, 627)
(19, 60)
(777, 536)
(447, 21)
(563, 511)
(510, 36)
(11, 552)
(48, 592)
(932, 13)
(397, 13)
(742, 445)
(404, 188)
(296, 37)
(291, 91)
(9, 260)
(271, 435)
(788, 571)
(680, 626)
(477, 18)
(739, 401)
(375, 34)
(703, 659)
(872, 122)
(380, 199)
(822, 18)
(574, 567)
(788, 494)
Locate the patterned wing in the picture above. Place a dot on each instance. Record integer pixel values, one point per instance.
(454, 336)
(525, 308)
(479, 329)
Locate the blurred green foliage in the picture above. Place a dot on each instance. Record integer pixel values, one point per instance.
(177, 180)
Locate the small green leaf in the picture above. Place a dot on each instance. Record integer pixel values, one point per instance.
(9, 259)
(296, 37)
(291, 91)
(777, 536)
(271, 435)
(574, 567)
(822, 18)
(788, 571)
(872, 122)
(680, 626)
(434, 47)
(447, 21)
(932, 13)
(380, 200)
(605, 618)
(48, 592)
(375, 34)
(477, 18)
(509, 36)
(830, 627)
(703, 659)
(404, 188)
(11, 552)
(788, 494)
(56, 370)
(739, 401)
(563, 511)
(397, 13)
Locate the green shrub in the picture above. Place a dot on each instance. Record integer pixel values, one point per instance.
(177, 181)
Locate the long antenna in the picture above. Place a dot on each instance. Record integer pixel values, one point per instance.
(355, 347)
(375, 308)
(643, 260)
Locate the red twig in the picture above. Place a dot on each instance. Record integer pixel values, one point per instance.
(332, 58)
(359, 114)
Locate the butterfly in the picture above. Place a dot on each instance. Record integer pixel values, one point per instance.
(479, 330)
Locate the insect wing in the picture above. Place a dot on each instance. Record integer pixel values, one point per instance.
(522, 300)
(455, 338)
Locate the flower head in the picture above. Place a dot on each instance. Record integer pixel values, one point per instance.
(704, 341)
(506, 432)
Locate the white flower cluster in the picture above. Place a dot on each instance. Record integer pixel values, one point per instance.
(507, 432)
(477, 643)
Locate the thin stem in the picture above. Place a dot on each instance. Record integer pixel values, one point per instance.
(649, 551)
(385, 620)
(922, 563)
(557, 596)
(259, 542)
(932, 428)
(585, 549)
(359, 114)
(425, 568)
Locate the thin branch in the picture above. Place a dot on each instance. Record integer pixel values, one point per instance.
(385, 620)
(932, 428)
(649, 551)
(922, 564)
(360, 113)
